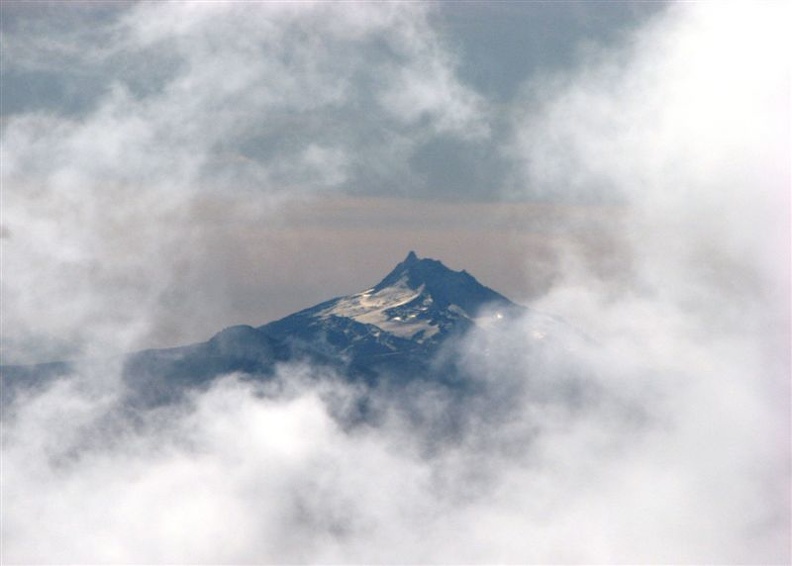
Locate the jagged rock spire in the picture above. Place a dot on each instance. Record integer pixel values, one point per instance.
(445, 285)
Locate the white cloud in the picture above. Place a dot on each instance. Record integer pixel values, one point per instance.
(689, 126)
(665, 441)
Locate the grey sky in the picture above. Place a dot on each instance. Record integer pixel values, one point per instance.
(499, 45)
(504, 43)
(65, 58)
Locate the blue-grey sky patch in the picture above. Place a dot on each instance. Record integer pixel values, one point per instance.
(67, 60)
(504, 44)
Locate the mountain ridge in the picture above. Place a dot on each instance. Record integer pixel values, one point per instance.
(415, 308)
(393, 330)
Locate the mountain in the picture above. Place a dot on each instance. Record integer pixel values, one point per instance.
(401, 322)
(395, 330)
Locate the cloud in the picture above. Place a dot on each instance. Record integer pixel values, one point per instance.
(665, 438)
(523, 479)
(687, 126)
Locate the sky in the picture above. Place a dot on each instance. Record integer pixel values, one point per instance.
(173, 168)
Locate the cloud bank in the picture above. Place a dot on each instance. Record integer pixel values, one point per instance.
(663, 439)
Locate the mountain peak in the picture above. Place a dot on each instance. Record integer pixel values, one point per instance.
(419, 304)
(413, 272)
(444, 285)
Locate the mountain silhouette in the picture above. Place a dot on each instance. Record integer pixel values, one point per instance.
(400, 322)
(393, 331)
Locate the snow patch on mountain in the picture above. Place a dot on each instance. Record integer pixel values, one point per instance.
(376, 307)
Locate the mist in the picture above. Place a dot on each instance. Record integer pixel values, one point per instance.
(657, 431)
